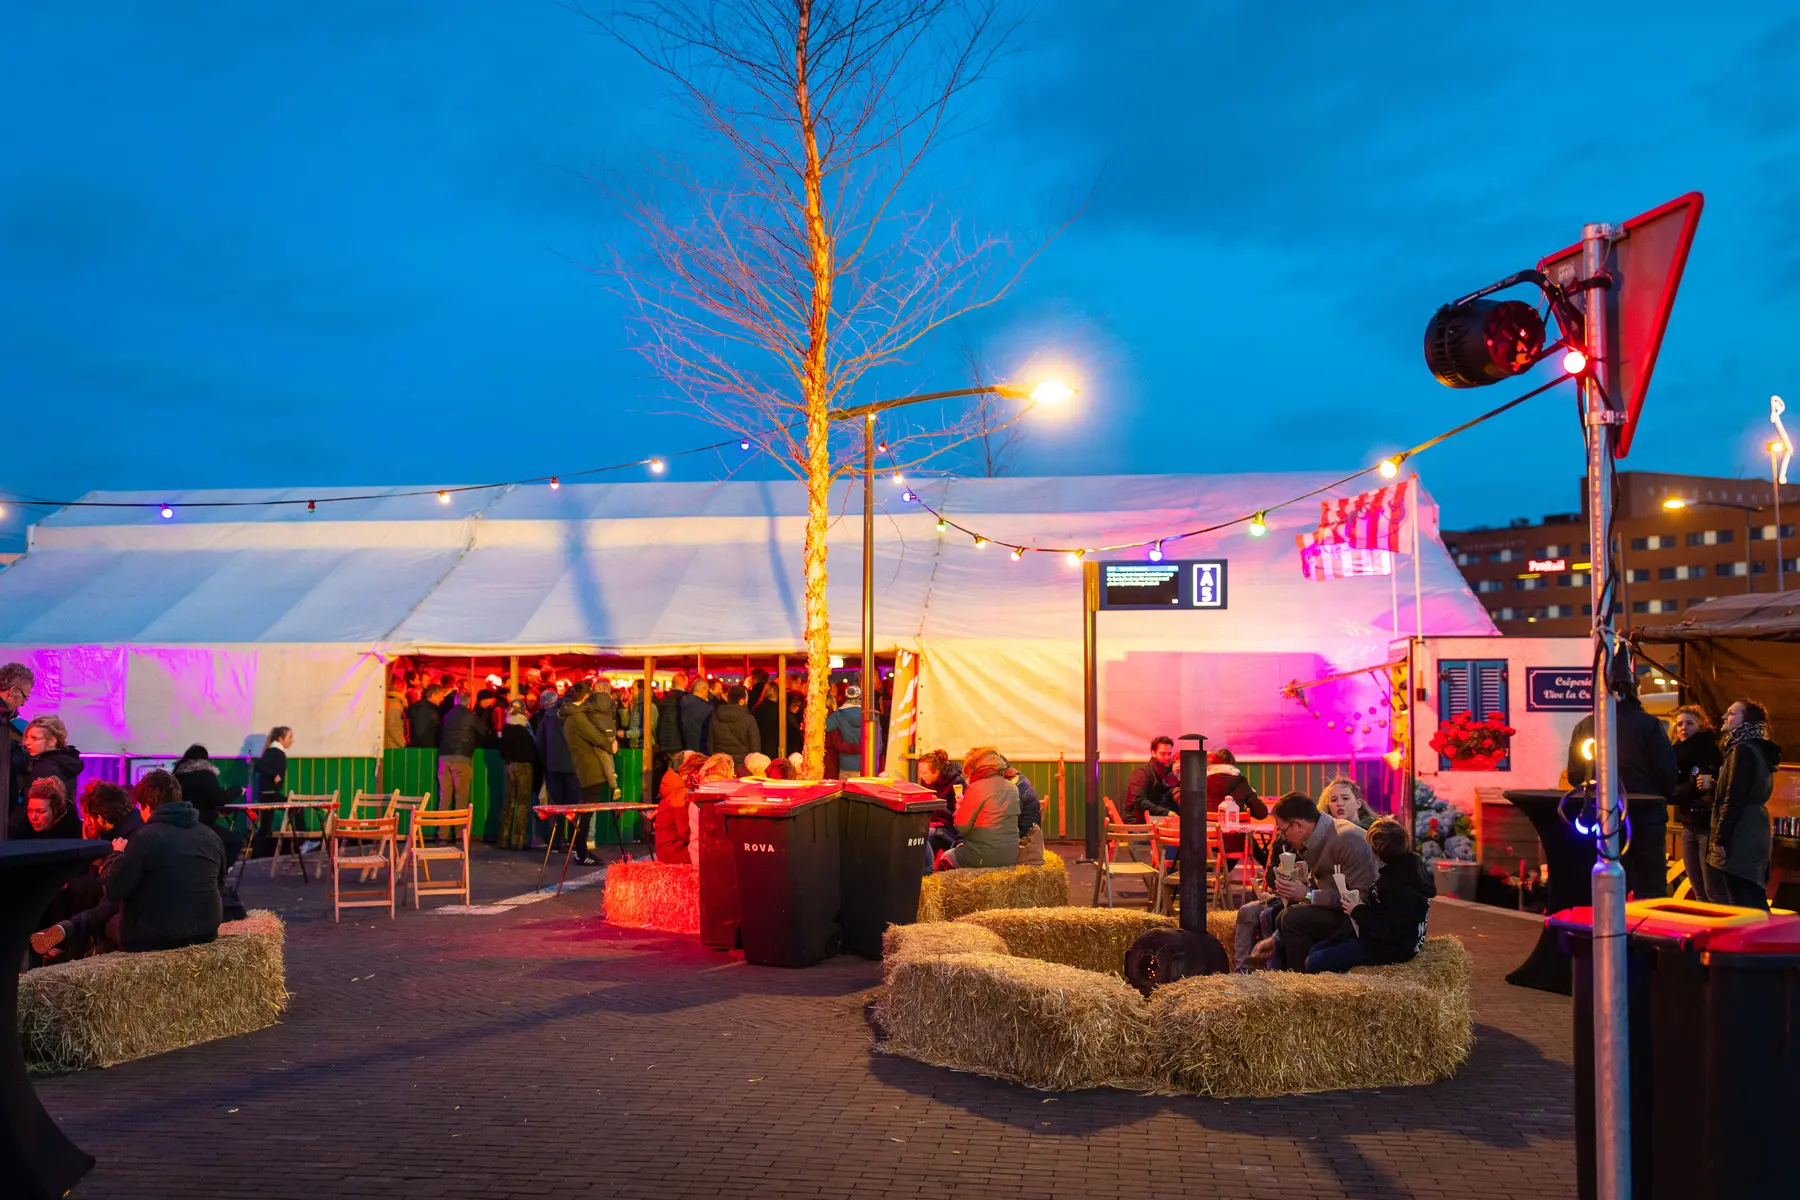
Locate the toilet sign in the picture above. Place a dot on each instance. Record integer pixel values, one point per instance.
(1208, 589)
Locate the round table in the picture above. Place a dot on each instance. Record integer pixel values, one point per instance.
(36, 1160)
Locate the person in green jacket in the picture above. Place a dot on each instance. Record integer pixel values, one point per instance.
(590, 727)
(987, 815)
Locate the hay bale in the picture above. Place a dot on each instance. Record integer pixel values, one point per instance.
(643, 894)
(1093, 939)
(1444, 965)
(1275, 1033)
(939, 937)
(947, 895)
(1041, 1024)
(112, 1008)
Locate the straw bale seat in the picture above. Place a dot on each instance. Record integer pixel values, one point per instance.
(1038, 996)
(112, 1008)
(947, 895)
(643, 894)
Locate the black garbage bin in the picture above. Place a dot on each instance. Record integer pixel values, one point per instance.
(1714, 1005)
(718, 866)
(884, 858)
(786, 847)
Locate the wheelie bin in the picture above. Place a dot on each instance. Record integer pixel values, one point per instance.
(1714, 1006)
(884, 858)
(785, 840)
(718, 867)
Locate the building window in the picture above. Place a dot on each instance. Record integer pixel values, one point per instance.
(1467, 558)
(1710, 537)
(1790, 564)
(1730, 569)
(1638, 575)
(1506, 614)
(1552, 551)
(1665, 572)
(1502, 556)
(1489, 585)
(1532, 584)
(1656, 541)
(1654, 606)
(1476, 686)
(1759, 568)
(1642, 543)
(1587, 610)
(1766, 533)
(1558, 611)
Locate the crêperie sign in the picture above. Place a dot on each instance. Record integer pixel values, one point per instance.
(1164, 585)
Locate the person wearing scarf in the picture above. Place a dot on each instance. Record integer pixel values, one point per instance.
(1737, 856)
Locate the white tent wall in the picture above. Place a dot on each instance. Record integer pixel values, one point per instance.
(243, 617)
(118, 699)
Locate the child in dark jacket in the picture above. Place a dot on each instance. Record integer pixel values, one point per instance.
(1390, 920)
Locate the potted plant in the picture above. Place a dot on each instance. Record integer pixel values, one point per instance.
(1473, 745)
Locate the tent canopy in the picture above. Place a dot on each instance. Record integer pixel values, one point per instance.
(672, 568)
(1742, 646)
(1769, 616)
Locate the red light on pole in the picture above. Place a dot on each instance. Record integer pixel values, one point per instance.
(1574, 361)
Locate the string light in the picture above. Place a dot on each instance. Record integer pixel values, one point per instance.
(1156, 552)
(443, 497)
(168, 514)
(555, 484)
(908, 495)
(899, 478)
(1017, 554)
(881, 449)
(1075, 557)
(744, 444)
(942, 524)
(656, 466)
(980, 543)
(1389, 467)
(312, 506)
(1259, 525)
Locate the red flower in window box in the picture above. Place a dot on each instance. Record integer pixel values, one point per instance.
(1473, 745)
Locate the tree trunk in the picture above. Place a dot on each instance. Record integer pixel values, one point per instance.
(815, 386)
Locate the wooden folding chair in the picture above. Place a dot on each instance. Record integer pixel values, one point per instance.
(1165, 845)
(294, 838)
(369, 806)
(343, 839)
(458, 823)
(1116, 835)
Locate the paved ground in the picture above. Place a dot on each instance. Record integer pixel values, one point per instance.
(539, 1052)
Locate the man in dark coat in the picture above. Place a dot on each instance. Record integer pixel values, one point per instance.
(465, 731)
(16, 681)
(1646, 768)
(1154, 789)
(695, 714)
(167, 880)
(560, 783)
(734, 730)
(423, 720)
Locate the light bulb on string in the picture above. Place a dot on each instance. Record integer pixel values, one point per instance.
(908, 496)
(1156, 552)
(312, 506)
(555, 483)
(1259, 524)
(656, 466)
(443, 497)
(1389, 468)
(980, 543)
(881, 448)
(1017, 553)
(899, 478)
(744, 444)
(167, 513)
(942, 524)
(1075, 557)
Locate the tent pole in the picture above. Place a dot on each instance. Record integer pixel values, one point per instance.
(647, 733)
(1412, 495)
(512, 679)
(1090, 705)
(781, 702)
(869, 765)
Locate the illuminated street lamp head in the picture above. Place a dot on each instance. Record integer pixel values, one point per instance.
(1776, 447)
(1052, 391)
(1259, 525)
(1674, 502)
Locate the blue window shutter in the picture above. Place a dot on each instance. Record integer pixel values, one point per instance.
(1455, 695)
(1489, 688)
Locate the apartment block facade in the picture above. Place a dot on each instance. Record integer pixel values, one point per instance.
(1725, 539)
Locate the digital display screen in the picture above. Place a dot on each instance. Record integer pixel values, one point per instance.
(1164, 585)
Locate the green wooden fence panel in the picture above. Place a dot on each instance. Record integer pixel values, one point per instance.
(410, 772)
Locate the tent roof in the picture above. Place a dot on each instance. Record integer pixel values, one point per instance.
(1770, 616)
(671, 567)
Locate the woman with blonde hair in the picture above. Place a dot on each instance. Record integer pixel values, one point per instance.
(47, 741)
(1343, 798)
(1697, 761)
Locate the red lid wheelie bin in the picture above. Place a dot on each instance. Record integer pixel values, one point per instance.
(718, 868)
(1714, 1006)
(785, 842)
(884, 858)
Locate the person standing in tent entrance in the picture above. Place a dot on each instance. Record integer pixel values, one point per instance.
(465, 731)
(1154, 789)
(271, 787)
(843, 739)
(668, 728)
(423, 721)
(765, 709)
(393, 716)
(590, 726)
(520, 755)
(734, 730)
(560, 784)
(694, 713)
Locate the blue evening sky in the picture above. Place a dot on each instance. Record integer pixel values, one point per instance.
(275, 243)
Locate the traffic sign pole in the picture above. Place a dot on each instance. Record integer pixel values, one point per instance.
(1612, 1033)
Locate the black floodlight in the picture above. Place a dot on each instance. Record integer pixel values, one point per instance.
(1479, 342)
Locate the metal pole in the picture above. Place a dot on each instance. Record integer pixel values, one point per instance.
(1090, 703)
(1775, 486)
(1612, 1058)
(1418, 590)
(1192, 853)
(868, 607)
(781, 700)
(647, 733)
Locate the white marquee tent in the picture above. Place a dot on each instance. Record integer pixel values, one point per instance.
(212, 626)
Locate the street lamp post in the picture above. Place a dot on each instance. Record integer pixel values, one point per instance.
(1048, 392)
(1775, 450)
(1675, 504)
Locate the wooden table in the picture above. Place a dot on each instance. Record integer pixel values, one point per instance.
(285, 830)
(571, 815)
(36, 1159)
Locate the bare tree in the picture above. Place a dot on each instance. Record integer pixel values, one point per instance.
(996, 431)
(801, 247)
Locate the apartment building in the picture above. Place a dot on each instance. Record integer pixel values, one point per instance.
(1723, 539)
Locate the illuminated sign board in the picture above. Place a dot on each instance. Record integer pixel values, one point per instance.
(1546, 564)
(1164, 585)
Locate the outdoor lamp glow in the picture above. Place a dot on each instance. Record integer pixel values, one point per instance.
(1574, 361)
(1259, 525)
(1587, 749)
(1046, 391)
(1389, 468)
(1674, 502)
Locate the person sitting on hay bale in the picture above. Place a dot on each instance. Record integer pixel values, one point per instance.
(167, 879)
(943, 776)
(1303, 910)
(671, 819)
(1343, 799)
(756, 766)
(45, 814)
(987, 815)
(107, 814)
(1031, 820)
(780, 768)
(1388, 925)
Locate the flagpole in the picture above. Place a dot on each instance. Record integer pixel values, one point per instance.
(1412, 502)
(1394, 596)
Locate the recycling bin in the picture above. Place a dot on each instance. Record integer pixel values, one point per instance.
(884, 858)
(718, 867)
(785, 839)
(1714, 1006)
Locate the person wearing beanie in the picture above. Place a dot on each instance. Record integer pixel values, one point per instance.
(519, 752)
(843, 738)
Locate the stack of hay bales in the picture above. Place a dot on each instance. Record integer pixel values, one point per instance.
(948, 895)
(643, 894)
(1037, 996)
(112, 1008)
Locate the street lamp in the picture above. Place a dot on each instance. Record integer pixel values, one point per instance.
(1776, 449)
(1047, 392)
(1676, 503)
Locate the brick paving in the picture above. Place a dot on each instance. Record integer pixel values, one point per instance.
(543, 1053)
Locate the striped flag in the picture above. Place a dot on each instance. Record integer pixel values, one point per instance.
(1368, 520)
(1337, 560)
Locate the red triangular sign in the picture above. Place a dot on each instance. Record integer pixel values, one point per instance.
(1646, 261)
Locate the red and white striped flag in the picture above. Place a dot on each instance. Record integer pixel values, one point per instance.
(1368, 521)
(1337, 560)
